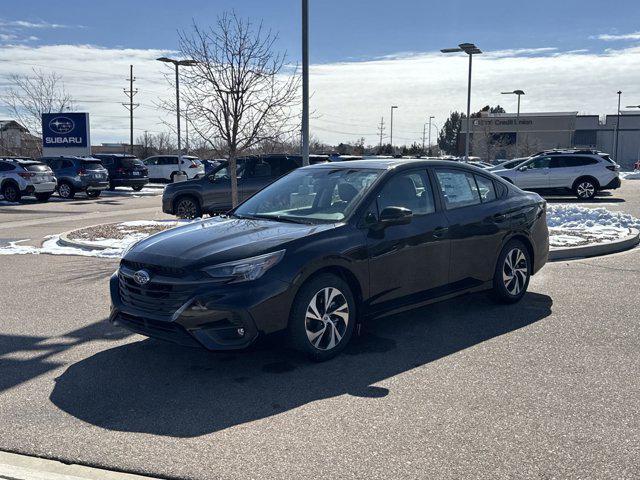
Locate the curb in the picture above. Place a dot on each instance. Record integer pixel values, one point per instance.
(65, 241)
(565, 253)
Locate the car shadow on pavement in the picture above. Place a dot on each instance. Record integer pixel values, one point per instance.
(163, 389)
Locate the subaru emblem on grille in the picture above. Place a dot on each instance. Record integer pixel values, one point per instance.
(141, 277)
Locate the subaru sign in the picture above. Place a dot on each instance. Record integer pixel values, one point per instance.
(66, 133)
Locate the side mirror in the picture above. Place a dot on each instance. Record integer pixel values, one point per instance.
(395, 216)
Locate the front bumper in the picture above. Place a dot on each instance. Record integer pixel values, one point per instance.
(216, 317)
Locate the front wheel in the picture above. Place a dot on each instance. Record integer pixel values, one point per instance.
(188, 207)
(65, 190)
(512, 274)
(322, 318)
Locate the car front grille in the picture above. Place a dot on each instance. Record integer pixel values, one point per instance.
(154, 269)
(153, 297)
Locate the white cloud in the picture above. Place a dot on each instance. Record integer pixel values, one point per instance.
(350, 97)
(615, 37)
(35, 25)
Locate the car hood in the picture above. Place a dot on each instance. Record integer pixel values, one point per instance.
(218, 240)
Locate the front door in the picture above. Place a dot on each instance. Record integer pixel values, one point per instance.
(408, 264)
(534, 174)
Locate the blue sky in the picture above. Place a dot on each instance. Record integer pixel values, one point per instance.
(567, 55)
(340, 29)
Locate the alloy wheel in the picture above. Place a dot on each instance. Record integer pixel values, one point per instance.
(586, 190)
(10, 193)
(64, 190)
(327, 318)
(186, 209)
(515, 271)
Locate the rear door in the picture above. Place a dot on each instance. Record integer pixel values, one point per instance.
(478, 221)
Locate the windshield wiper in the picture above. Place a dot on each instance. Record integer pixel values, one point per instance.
(281, 218)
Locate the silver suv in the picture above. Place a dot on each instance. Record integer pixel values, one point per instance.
(582, 172)
(24, 176)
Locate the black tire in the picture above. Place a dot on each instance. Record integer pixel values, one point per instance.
(93, 193)
(43, 197)
(187, 207)
(11, 192)
(510, 283)
(137, 188)
(65, 190)
(585, 188)
(112, 187)
(302, 325)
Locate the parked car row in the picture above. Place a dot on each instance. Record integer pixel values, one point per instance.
(25, 177)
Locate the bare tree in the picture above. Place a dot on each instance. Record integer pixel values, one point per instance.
(32, 95)
(241, 92)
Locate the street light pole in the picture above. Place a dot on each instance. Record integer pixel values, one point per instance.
(393, 107)
(305, 82)
(177, 63)
(471, 50)
(618, 125)
(519, 93)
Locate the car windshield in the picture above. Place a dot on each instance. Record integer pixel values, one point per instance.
(311, 195)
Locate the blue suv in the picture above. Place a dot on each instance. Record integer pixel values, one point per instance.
(78, 174)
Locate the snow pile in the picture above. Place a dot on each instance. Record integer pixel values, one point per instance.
(571, 225)
(128, 192)
(52, 247)
(635, 175)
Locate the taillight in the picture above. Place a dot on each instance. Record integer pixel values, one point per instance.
(193, 165)
(613, 168)
(27, 175)
(82, 171)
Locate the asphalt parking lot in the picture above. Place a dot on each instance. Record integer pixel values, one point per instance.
(462, 389)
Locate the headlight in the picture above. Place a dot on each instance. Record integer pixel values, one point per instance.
(245, 269)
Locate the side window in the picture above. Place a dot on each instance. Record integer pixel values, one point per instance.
(458, 188)
(501, 190)
(540, 162)
(107, 161)
(67, 164)
(281, 165)
(486, 188)
(5, 167)
(151, 161)
(409, 190)
(584, 161)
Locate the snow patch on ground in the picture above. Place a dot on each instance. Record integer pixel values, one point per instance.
(635, 175)
(571, 225)
(52, 247)
(128, 192)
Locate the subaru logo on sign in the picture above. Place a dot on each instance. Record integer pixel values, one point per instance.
(141, 277)
(61, 125)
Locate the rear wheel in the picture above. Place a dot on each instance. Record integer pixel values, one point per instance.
(585, 189)
(322, 318)
(93, 193)
(11, 192)
(65, 190)
(43, 197)
(187, 207)
(512, 274)
(137, 188)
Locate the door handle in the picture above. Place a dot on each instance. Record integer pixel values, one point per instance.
(440, 231)
(499, 217)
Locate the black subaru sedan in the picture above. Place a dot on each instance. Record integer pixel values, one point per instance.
(328, 246)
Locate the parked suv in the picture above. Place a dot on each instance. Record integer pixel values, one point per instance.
(165, 167)
(212, 193)
(124, 170)
(78, 174)
(584, 174)
(25, 176)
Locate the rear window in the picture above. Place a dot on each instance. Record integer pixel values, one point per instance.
(91, 165)
(35, 167)
(132, 162)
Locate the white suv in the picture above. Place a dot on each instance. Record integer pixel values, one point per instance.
(21, 176)
(584, 174)
(164, 167)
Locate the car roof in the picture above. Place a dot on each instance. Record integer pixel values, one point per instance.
(395, 163)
